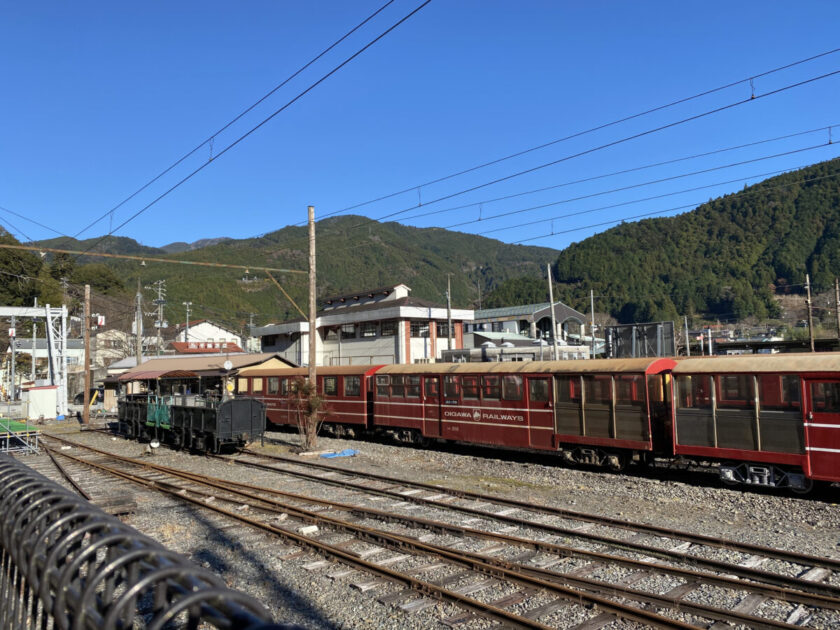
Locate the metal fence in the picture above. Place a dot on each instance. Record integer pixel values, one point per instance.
(65, 563)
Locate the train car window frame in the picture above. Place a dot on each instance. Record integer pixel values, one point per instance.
(829, 397)
(383, 385)
(470, 386)
(779, 392)
(412, 386)
(538, 390)
(630, 390)
(735, 391)
(398, 386)
(330, 386)
(242, 385)
(431, 387)
(284, 387)
(597, 389)
(256, 384)
(451, 387)
(273, 384)
(687, 388)
(512, 387)
(352, 385)
(491, 387)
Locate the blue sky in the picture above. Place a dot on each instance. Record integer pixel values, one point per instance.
(98, 98)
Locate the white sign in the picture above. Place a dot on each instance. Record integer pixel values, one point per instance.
(11, 333)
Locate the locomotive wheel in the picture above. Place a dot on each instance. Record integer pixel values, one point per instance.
(809, 486)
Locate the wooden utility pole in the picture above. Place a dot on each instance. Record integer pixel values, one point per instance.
(687, 340)
(837, 303)
(312, 416)
(86, 324)
(810, 311)
(592, 321)
(12, 337)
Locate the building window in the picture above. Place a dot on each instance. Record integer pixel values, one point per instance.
(419, 329)
(352, 385)
(389, 328)
(273, 384)
(330, 333)
(443, 329)
(368, 329)
(348, 331)
(330, 385)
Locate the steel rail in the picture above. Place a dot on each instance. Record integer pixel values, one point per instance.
(703, 539)
(66, 475)
(581, 582)
(64, 562)
(479, 564)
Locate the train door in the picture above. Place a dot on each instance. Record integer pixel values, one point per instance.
(431, 406)
(822, 424)
(540, 412)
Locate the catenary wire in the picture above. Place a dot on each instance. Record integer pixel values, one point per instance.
(237, 118)
(587, 131)
(613, 143)
(33, 221)
(263, 122)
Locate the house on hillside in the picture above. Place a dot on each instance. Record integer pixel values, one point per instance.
(384, 325)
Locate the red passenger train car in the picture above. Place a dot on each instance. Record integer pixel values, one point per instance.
(767, 420)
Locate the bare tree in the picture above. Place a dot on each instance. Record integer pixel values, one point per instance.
(310, 411)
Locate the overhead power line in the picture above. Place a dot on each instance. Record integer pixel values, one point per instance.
(613, 143)
(263, 122)
(33, 221)
(250, 108)
(586, 131)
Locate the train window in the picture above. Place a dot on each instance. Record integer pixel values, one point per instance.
(491, 387)
(629, 390)
(734, 391)
(284, 386)
(330, 385)
(382, 382)
(397, 386)
(352, 385)
(538, 389)
(412, 386)
(273, 384)
(825, 397)
(778, 392)
(432, 388)
(451, 387)
(470, 385)
(242, 385)
(598, 389)
(512, 387)
(256, 385)
(564, 388)
(694, 392)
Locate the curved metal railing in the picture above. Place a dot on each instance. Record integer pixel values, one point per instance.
(64, 563)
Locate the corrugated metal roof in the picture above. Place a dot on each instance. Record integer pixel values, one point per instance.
(259, 370)
(201, 363)
(509, 311)
(761, 363)
(148, 375)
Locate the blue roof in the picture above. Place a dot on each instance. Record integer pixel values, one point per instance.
(509, 311)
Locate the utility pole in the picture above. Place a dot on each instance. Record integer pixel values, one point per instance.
(810, 312)
(12, 335)
(250, 331)
(592, 321)
(160, 301)
(687, 340)
(34, 345)
(837, 303)
(138, 325)
(86, 324)
(310, 436)
(187, 322)
(553, 323)
(449, 310)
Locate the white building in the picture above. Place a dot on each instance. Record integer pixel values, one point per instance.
(384, 325)
(203, 330)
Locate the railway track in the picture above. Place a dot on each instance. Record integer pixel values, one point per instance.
(501, 569)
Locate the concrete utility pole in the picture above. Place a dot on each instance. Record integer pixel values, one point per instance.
(312, 311)
(687, 340)
(12, 335)
(592, 322)
(837, 303)
(810, 312)
(138, 325)
(553, 322)
(449, 310)
(86, 324)
(187, 322)
(34, 345)
(160, 301)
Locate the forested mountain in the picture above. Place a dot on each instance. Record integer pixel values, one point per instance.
(727, 258)
(354, 253)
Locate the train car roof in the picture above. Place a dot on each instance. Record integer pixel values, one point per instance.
(760, 363)
(596, 366)
(334, 370)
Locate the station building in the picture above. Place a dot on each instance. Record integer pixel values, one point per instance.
(383, 325)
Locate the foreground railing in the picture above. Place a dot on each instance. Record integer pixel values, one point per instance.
(65, 563)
